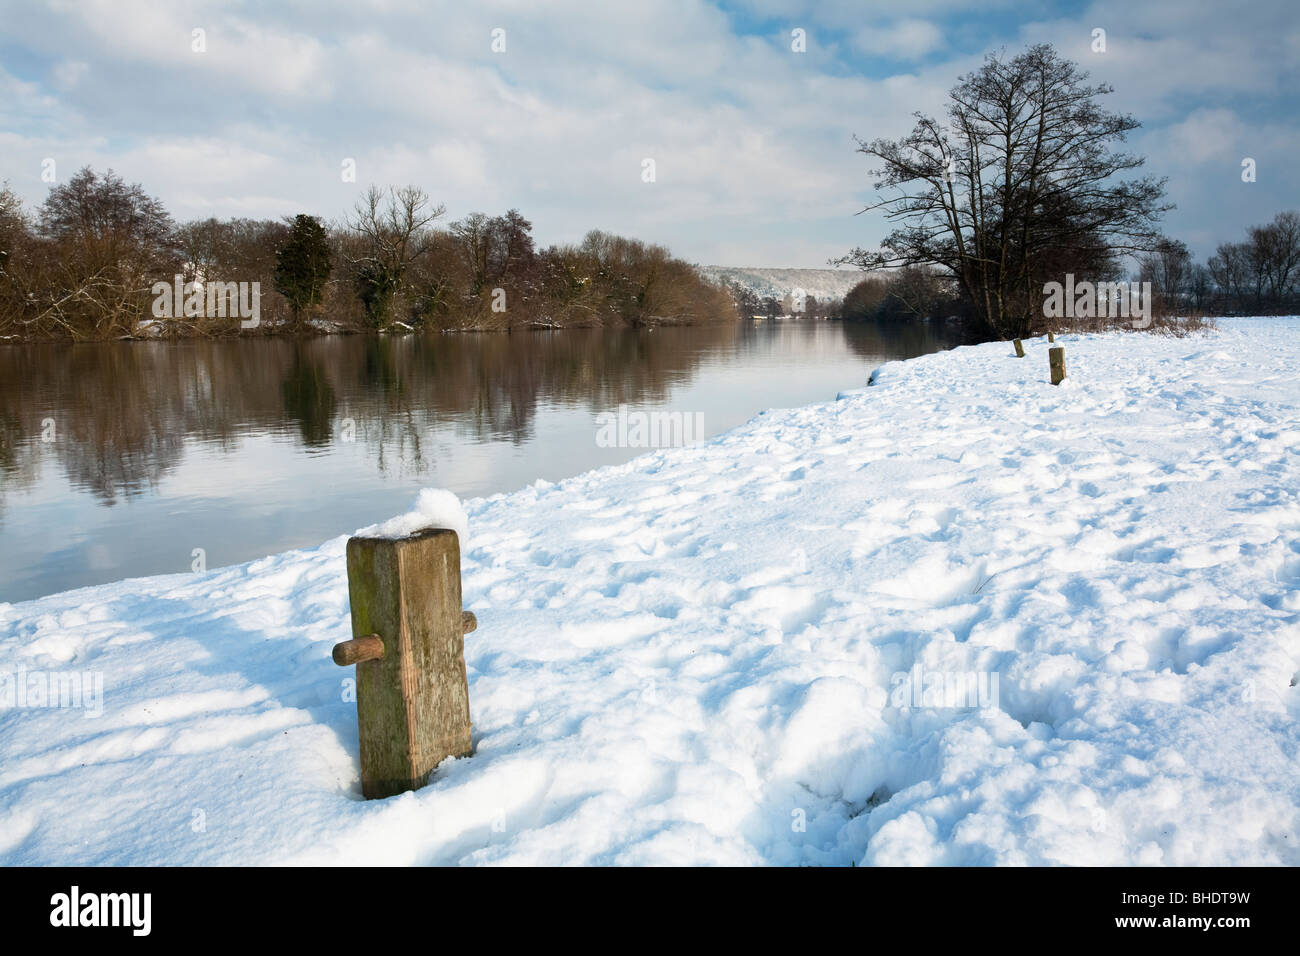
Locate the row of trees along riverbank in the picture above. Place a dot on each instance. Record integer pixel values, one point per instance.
(1259, 275)
(84, 266)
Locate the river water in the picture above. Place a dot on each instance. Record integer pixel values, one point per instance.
(123, 459)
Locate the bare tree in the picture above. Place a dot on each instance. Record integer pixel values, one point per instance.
(1276, 250)
(473, 235)
(1168, 268)
(103, 243)
(106, 210)
(13, 223)
(393, 226)
(1199, 286)
(494, 248)
(1235, 273)
(1016, 186)
(512, 249)
(14, 237)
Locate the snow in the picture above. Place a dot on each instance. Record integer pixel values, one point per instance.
(721, 653)
(822, 284)
(434, 508)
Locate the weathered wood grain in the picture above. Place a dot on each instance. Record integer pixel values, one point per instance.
(412, 702)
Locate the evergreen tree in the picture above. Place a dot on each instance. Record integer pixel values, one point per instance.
(302, 265)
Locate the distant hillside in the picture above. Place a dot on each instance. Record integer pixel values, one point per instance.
(822, 284)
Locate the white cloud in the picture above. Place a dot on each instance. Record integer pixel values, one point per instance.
(903, 40)
(69, 73)
(753, 142)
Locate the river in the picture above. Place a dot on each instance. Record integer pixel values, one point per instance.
(135, 458)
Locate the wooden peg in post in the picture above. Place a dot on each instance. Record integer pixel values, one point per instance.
(368, 648)
(1020, 349)
(1056, 362)
(409, 647)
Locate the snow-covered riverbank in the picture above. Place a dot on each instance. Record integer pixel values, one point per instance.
(709, 655)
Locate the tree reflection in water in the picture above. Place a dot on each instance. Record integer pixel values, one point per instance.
(363, 414)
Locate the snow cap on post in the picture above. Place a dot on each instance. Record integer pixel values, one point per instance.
(408, 645)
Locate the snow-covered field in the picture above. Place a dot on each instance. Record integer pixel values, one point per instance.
(704, 656)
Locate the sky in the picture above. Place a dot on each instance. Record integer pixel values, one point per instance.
(752, 141)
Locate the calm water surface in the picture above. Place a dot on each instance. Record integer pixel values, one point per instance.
(118, 460)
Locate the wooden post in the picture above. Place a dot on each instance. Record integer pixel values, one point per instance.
(1056, 362)
(1020, 349)
(1051, 336)
(409, 647)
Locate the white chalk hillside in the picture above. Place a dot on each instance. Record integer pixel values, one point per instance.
(697, 657)
(822, 284)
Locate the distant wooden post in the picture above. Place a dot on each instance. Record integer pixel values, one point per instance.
(409, 647)
(1056, 362)
(1051, 336)
(1020, 349)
